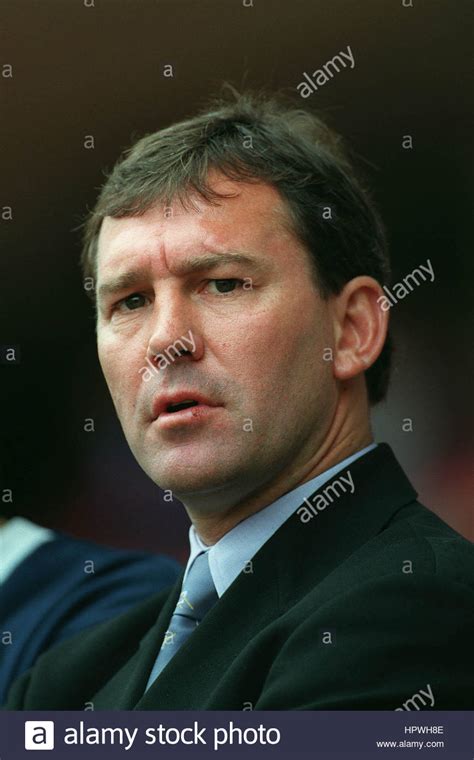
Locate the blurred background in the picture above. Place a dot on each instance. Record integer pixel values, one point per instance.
(96, 68)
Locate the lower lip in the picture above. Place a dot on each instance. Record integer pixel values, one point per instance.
(190, 416)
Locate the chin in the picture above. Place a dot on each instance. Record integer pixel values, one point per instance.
(186, 481)
(181, 479)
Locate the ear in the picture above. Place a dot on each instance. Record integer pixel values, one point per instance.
(360, 327)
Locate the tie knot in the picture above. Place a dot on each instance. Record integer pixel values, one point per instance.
(198, 593)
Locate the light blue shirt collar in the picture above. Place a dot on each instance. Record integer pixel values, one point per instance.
(228, 557)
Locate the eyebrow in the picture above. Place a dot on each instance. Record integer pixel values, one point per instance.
(187, 266)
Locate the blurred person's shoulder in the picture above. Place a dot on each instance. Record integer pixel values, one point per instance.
(104, 558)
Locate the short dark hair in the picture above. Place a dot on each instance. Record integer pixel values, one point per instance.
(254, 137)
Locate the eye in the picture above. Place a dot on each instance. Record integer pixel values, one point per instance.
(131, 302)
(227, 285)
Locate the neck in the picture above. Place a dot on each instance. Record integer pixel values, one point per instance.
(349, 432)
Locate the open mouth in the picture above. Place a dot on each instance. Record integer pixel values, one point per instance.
(182, 405)
(181, 414)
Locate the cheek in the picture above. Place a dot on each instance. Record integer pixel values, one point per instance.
(291, 383)
(278, 339)
(120, 373)
(107, 359)
(272, 353)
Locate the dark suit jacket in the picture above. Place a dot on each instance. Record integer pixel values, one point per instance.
(49, 597)
(330, 618)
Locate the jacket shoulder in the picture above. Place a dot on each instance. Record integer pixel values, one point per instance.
(395, 617)
(438, 548)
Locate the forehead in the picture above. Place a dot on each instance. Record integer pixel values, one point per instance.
(255, 216)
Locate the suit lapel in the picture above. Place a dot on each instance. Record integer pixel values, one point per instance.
(308, 552)
(128, 684)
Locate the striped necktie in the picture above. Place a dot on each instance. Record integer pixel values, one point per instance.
(198, 595)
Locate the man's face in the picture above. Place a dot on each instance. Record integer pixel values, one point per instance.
(256, 328)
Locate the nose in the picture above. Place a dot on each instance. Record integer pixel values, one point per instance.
(174, 333)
